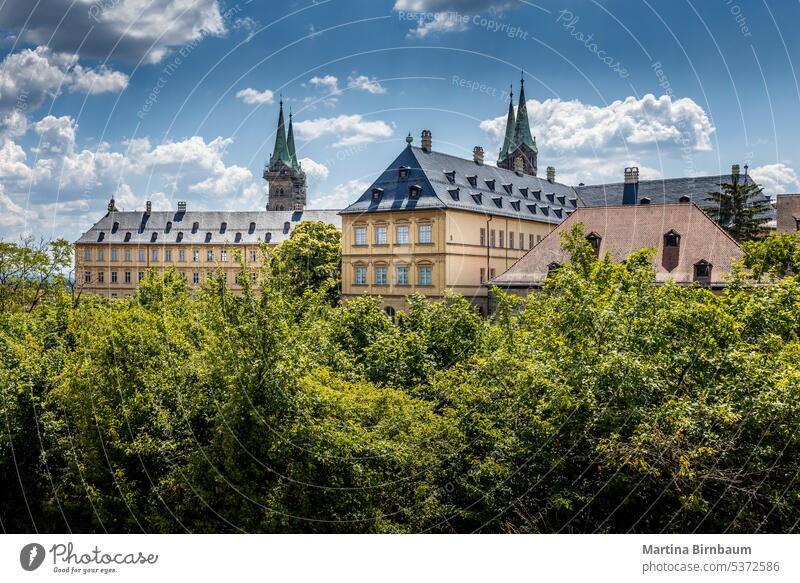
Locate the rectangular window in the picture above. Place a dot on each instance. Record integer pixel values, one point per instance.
(196, 255)
(539, 239)
(101, 254)
(182, 255)
(483, 274)
(380, 275)
(424, 233)
(402, 275)
(168, 255)
(223, 255)
(361, 235)
(87, 254)
(510, 240)
(521, 241)
(425, 276)
(380, 235)
(361, 275)
(101, 276)
(114, 255)
(402, 235)
(491, 238)
(127, 277)
(195, 278)
(530, 241)
(154, 255)
(491, 273)
(141, 255)
(141, 276)
(253, 256)
(253, 277)
(113, 277)
(502, 239)
(127, 254)
(209, 255)
(483, 237)
(87, 277)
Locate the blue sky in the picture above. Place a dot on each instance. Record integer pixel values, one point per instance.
(169, 100)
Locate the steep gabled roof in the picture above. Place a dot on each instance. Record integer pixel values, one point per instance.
(625, 229)
(508, 141)
(447, 181)
(281, 150)
(522, 128)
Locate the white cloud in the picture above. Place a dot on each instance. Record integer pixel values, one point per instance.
(314, 169)
(443, 16)
(342, 195)
(439, 22)
(127, 29)
(364, 83)
(776, 179)
(628, 125)
(348, 129)
(254, 97)
(93, 81)
(328, 83)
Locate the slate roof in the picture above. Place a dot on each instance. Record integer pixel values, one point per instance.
(668, 190)
(247, 227)
(447, 181)
(627, 228)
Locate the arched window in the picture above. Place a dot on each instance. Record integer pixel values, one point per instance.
(286, 226)
(594, 240)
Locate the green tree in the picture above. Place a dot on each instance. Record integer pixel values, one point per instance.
(310, 260)
(777, 255)
(740, 208)
(32, 272)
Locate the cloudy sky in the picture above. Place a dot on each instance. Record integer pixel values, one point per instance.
(169, 100)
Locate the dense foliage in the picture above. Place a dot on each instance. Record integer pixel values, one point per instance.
(604, 403)
(741, 209)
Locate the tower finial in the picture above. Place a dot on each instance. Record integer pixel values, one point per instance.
(522, 77)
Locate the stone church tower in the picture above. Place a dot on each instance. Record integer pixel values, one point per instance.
(287, 181)
(519, 151)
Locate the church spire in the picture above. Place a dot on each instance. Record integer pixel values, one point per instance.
(290, 143)
(281, 151)
(508, 143)
(522, 131)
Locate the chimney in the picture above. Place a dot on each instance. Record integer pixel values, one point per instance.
(477, 155)
(519, 165)
(149, 207)
(551, 174)
(735, 172)
(182, 206)
(630, 191)
(426, 140)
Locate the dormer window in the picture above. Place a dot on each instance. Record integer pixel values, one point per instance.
(702, 271)
(377, 193)
(644, 200)
(208, 237)
(672, 239)
(455, 193)
(101, 236)
(237, 238)
(573, 202)
(532, 208)
(594, 240)
(267, 237)
(558, 212)
(127, 236)
(252, 228)
(477, 197)
(115, 227)
(195, 227)
(414, 190)
(524, 191)
(537, 194)
(168, 228)
(498, 201)
(551, 197)
(562, 200)
(179, 238)
(670, 256)
(509, 188)
(473, 181)
(515, 205)
(684, 199)
(490, 184)
(153, 237)
(545, 210)
(286, 227)
(223, 227)
(552, 268)
(403, 172)
(451, 176)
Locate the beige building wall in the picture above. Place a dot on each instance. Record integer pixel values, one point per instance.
(106, 270)
(788, 212)
(457, 255)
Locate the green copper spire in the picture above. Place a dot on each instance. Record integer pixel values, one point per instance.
(290, 144)
(281, 151)
(508, 143)
(522, 132)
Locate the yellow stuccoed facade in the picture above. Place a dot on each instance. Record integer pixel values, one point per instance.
(464, 249)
